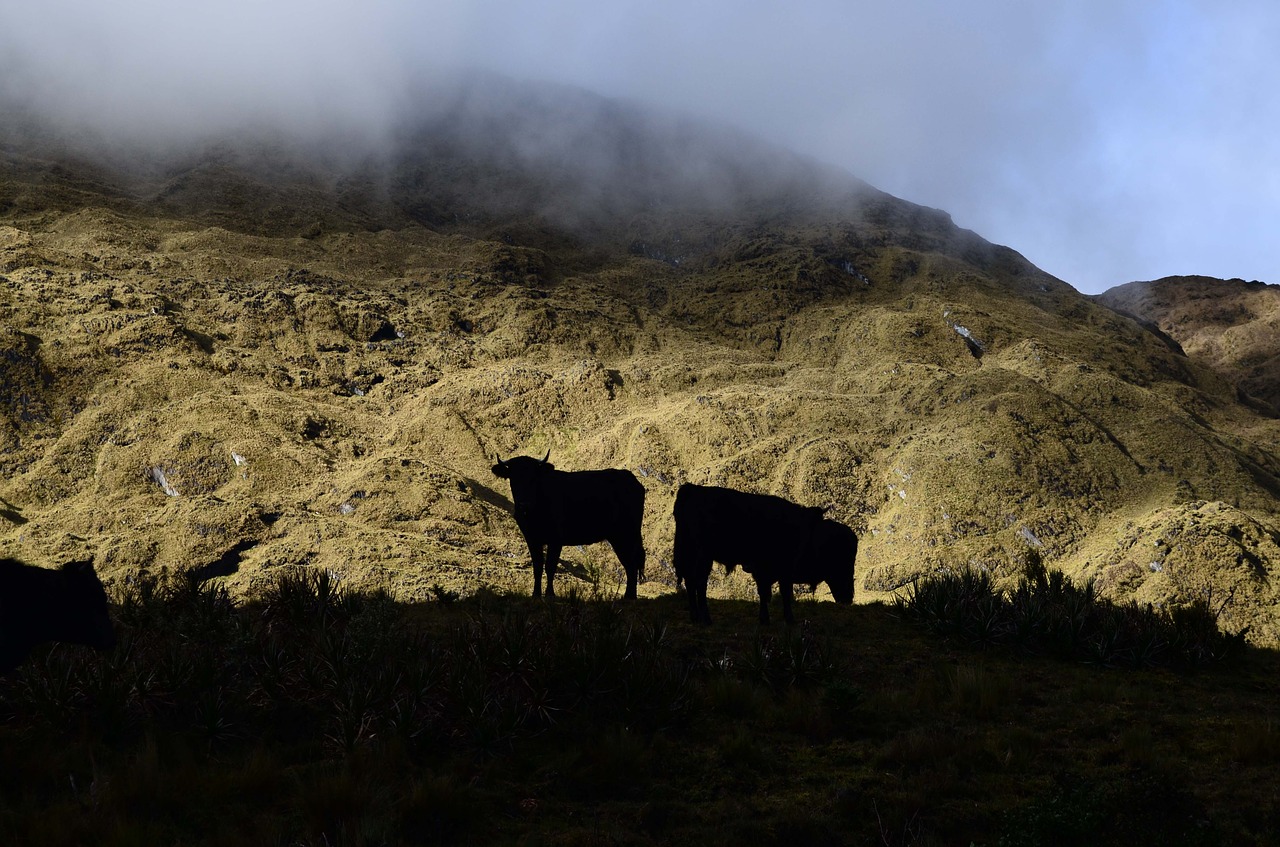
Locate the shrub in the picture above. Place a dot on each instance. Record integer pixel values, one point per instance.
(1048, 612)
(798, 659)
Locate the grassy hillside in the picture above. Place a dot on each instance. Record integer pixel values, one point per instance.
(273, 352)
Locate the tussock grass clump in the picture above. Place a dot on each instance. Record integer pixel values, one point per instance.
(799, 659)
(1048, 612)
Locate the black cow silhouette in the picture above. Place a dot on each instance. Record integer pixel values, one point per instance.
(774, 540)
(558, 508)
(39, 605)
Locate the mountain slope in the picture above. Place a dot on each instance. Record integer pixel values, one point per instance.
(1231, 325)
(275, 352)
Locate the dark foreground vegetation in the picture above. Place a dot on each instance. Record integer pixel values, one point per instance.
(1049, 613)
(316, 716)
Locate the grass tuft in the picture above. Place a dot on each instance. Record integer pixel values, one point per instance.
(1049, 613)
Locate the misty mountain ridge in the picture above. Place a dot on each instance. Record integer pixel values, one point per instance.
(481, 152)
(319, 347)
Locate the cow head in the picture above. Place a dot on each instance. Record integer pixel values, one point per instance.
(87, 619)
(522, 466)
(836, 548)
(525, 473)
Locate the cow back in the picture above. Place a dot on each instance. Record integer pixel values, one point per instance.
(583, 507)
(38, 605)
(762, 533)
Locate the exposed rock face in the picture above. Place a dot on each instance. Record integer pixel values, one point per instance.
(1231, 325)
(328, 386)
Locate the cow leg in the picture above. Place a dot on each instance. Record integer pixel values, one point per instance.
(787, 590)
(631, 555)
(697, 583)
(697, 586)
(553, 559)
(535, 555)
(765, 590)
(695, 569)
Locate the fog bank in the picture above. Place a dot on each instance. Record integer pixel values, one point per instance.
(1105, 142)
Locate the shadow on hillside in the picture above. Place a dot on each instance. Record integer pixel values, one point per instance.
(486, 494)
(11, 513)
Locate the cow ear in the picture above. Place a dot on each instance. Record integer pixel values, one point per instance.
(828, 508)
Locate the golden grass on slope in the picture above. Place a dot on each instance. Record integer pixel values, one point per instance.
(337, 401)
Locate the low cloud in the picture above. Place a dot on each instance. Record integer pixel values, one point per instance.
(1107, 142)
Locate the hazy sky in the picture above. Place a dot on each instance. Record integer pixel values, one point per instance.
(1106, 140)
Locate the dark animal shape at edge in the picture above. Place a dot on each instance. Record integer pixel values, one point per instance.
(558, 508)
(39, 605)
(774, 540)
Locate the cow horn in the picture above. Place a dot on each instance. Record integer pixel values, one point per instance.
(548, 456)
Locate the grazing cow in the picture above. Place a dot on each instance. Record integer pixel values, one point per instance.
(774, 540)
(555, 508)
(39, 605)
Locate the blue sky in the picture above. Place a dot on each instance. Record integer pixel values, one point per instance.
(1106, 141)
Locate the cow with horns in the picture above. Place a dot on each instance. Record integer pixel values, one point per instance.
(558, 508)
(39, 605)
(774, 540)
